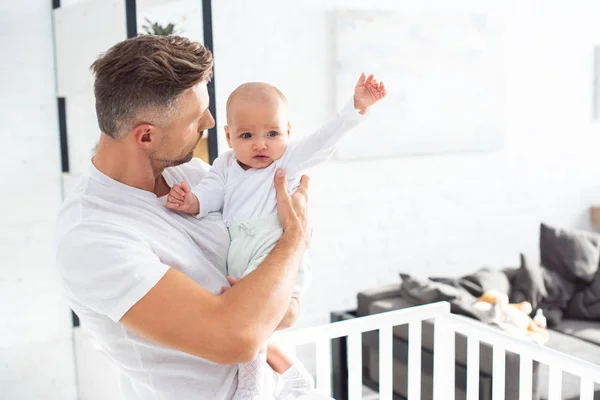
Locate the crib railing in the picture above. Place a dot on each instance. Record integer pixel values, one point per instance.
(445, 327)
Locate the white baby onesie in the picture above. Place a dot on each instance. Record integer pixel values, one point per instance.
(248, 201)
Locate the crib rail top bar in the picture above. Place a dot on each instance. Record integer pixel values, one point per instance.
(364, 324)
(545, 355)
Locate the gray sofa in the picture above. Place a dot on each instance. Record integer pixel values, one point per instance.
(566, 285)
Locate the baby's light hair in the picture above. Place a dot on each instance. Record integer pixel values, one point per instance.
(254, 91)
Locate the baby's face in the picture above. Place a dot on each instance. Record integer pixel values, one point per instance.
(258, 132)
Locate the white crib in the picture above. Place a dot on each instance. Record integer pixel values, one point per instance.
(446, 325)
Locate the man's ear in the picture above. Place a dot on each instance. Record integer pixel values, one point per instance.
(289, 129)
(228, 136)
(144, 134)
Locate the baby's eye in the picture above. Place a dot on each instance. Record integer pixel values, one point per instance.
(246, 135)
(272, 133)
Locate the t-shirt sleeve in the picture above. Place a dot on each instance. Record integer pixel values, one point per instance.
(320, 145)
(210, 191)
(107, 268)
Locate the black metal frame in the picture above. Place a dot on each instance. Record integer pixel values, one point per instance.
(62, 131)
(213, 150)
(131, 18)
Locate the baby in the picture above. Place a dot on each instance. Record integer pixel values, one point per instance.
(240, 184)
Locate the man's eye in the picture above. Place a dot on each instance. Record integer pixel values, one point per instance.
(273, 133)
(245, 135)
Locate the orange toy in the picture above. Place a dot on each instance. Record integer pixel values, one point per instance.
(512, 317)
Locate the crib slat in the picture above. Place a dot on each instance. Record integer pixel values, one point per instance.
(587, 390)
(472, 368)
(414, 360)
(385, 364)
(443, 360)
(555, 384)
(499, 373)
(525, 377)
(324, 366)
(355, 366)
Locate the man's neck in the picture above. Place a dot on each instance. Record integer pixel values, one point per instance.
(129, 166)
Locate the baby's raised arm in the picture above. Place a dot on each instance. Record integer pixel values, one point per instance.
(320, 146)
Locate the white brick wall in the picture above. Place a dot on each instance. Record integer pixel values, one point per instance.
(36, 358)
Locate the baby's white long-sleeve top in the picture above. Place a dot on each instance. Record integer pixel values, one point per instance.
(245, 195)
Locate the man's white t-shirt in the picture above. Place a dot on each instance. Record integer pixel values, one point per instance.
(114, 243)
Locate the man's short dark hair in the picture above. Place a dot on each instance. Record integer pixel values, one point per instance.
(142, 78)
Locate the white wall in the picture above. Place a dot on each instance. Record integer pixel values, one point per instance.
(36, 359)
(445, 214)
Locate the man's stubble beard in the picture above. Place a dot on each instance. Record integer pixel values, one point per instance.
(162, 163)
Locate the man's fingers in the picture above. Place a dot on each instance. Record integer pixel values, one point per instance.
(369, 79)
(281, 186)
(224, 289)
(304, 181)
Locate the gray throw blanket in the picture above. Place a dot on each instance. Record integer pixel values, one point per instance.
(568, 282)
(542, 287)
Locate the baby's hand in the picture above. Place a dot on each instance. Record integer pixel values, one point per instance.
(182, 199)
(367, 92)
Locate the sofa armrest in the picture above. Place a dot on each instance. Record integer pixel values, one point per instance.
(367, 297)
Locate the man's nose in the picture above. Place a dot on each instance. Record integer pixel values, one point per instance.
(210, 121)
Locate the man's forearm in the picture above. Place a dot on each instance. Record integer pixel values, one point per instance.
(261, 300)
(291, 315)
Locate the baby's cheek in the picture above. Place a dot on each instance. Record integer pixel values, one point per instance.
(280, 150)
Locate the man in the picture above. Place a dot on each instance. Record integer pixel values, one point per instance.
(144, 279)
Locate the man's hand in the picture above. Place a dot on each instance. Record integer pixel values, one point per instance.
(293, 210)
(182, 199)
(367, 92)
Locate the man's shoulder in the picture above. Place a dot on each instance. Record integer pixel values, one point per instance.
(89, 211)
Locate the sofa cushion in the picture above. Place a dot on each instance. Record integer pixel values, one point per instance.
(585, 303)
(366, 297)
(575, 255)
(585, 330)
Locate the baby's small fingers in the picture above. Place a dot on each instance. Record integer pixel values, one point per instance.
(177, 196)
(173, 205)
(179, 190)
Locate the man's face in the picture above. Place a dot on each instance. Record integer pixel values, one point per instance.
(258, 132)
(178, 140)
